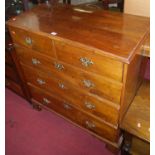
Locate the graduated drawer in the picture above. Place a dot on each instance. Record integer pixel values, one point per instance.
(49, 83)
(53, 103)
(99, 127)
(97, 85)
(32, 40)
(102, 109)
(68, 110)
(11, 73)
(89, 60)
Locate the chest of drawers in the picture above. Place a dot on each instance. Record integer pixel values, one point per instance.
(84, 65)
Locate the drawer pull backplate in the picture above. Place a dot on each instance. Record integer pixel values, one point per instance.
(88, 83)
(89, 105)
(28, 41)
(67, 107)
(90, 124)
(86, 62)
(61, 85)
(35, 61)
(40, 81)
(59, 66)
(46, 101)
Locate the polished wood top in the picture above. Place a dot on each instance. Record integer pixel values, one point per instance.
(113, 34)
(137, 118)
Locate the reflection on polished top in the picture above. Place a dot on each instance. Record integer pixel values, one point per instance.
(114, 34)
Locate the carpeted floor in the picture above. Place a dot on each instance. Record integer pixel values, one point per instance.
(29, 132)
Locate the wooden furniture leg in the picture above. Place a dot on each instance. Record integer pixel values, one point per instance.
(112, 149)
(36, 107)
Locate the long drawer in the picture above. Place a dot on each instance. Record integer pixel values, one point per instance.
(89, 60)
(66, 109)
(32, 40)
(97, 85)
(103, 109)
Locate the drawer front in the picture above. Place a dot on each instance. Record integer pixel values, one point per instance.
(11, 73)
(69, 111)
(98, 127)
(49, 83)
(97, 85)
(14, 86)
(36, 60)
(62, 107)
(102, 109)
(32, 40)
(8, 58)
(89, 61)
(18, 35)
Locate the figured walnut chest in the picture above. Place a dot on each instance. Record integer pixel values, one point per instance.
(85, 65)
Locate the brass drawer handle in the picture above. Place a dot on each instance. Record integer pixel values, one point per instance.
(89, 105)
(40, 81)
(35, 61)
(10, 47)
(67, 107)
(90, 124)
(86, 62)
(28, 41)
(59, 66)
(46, 101)
(88, 83)
(61, 85)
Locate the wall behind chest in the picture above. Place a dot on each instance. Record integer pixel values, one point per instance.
(138, 7)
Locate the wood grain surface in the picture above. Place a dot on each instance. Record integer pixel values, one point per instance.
(137, 118)
(109, 33)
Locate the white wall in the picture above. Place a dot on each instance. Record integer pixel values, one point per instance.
(137, 7)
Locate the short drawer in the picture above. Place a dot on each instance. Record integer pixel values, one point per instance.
(14, 86)
(79, 117)
(35, 60)
(11, 73)
(32, 40)
(89, 60)
(102, 109)
(97, 85)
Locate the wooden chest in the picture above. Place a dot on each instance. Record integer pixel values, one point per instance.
(85, 65)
